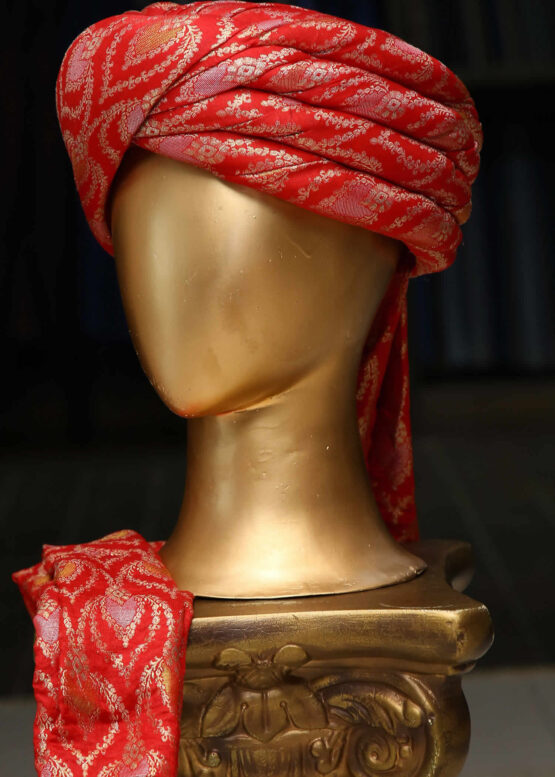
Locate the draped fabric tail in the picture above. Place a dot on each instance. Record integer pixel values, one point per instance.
(384, 411)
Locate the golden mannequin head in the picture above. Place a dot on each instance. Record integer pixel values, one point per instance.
(237, 301)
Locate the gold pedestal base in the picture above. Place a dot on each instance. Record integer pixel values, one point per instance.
(350, 685)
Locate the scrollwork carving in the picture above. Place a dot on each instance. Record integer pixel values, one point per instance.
(383, 730)
(260, 719)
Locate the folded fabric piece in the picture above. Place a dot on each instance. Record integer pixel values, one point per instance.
(111, 633)
(341, 119)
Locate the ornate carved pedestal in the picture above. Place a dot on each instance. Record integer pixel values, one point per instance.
(351, 685)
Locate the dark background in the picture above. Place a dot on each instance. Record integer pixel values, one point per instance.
(88, 448)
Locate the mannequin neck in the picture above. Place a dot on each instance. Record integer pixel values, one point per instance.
(278, 501)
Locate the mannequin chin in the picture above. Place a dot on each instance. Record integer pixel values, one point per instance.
(249, 316)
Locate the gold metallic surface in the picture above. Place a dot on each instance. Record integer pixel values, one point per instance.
(351, 685)
(249, 315)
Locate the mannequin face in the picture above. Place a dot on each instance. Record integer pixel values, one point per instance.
(232, 295)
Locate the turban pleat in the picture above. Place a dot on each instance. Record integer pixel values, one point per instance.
(364, 145)
(344, 120)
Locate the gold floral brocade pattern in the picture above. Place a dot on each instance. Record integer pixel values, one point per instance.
(111, 630)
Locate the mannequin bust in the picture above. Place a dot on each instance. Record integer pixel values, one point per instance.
(249, 315)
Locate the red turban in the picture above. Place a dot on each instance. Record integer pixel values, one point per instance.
(344, 120)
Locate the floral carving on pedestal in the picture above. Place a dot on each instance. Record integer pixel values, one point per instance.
(261, 719)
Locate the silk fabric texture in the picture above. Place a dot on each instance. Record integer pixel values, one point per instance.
(341, 119)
